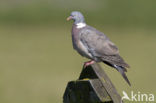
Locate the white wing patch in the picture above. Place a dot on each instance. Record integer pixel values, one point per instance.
(84, 49)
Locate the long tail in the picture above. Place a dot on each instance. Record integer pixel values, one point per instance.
(122, 72)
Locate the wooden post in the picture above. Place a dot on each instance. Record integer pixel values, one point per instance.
(93, 86)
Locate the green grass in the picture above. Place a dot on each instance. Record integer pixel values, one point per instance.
(119, 13)
(38, 61)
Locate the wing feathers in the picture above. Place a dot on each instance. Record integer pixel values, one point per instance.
(115, 59)
(98, 42)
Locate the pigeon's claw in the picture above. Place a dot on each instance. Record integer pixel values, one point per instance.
(88, 63)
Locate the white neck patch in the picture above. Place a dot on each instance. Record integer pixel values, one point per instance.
(80, 25)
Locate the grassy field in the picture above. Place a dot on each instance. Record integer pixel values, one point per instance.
(36, 53)
(38, 61)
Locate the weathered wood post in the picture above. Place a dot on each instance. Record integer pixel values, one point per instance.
(93, 86)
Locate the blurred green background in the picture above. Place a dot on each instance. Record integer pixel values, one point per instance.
(36, 53)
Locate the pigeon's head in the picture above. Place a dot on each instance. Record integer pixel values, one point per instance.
(77, 17)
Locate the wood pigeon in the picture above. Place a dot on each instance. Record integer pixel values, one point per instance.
(95, 45)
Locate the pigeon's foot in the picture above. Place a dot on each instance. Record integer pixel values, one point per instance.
(88, 63)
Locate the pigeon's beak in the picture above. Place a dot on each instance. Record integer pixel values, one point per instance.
(69, 18)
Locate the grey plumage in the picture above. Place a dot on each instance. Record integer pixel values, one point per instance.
(93, 44)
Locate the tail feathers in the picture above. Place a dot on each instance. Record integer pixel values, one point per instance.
(122, 72)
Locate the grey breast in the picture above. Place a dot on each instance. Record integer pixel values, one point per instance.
(77, 43)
